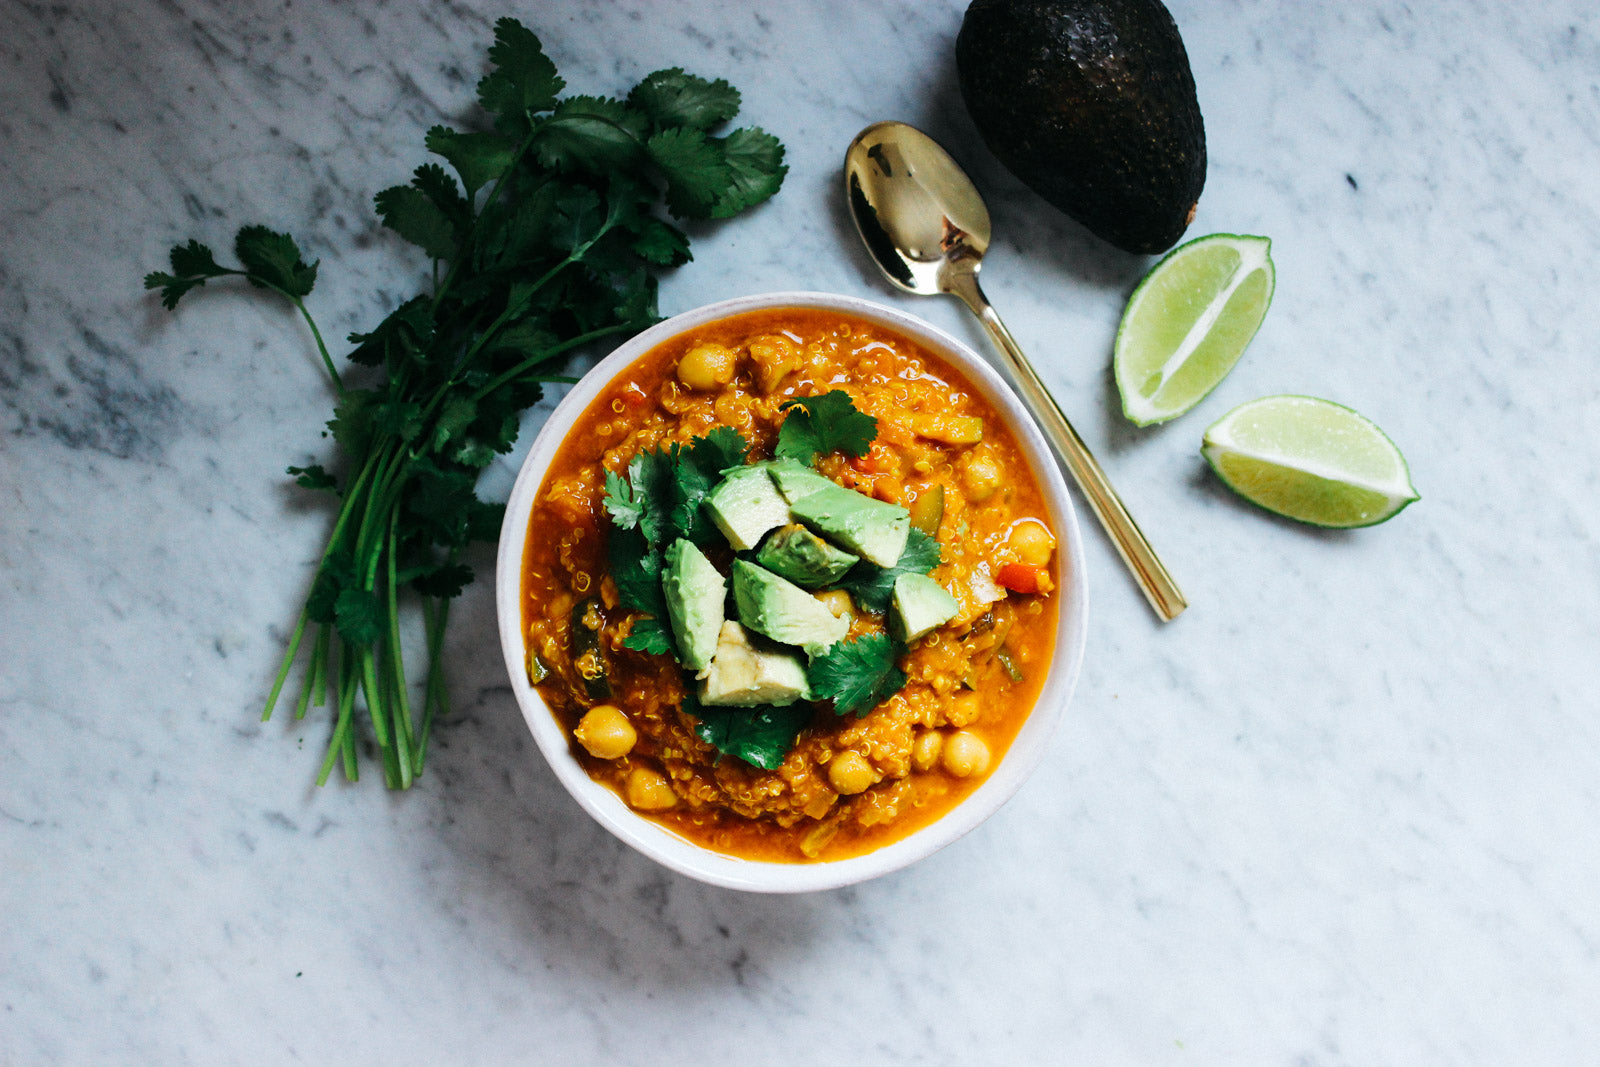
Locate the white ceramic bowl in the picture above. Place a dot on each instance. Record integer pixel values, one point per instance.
(691, 859)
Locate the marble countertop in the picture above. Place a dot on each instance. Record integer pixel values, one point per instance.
(1343, 811)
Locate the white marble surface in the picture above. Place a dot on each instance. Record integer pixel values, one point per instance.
(1344, 811)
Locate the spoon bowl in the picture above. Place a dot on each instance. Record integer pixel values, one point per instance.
(918, 213)
(927, 228)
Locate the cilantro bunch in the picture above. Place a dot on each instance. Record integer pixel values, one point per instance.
(660, 500)
(544, 239)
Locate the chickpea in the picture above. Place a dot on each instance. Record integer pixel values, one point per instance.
(980, 475)
(605, 732)
(1033, 543)
(965, 754)
(707, 366)
(925, 750)
(647, 790)
(837, 601)
(849, 773)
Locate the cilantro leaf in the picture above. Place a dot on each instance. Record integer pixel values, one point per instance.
(192, 265)
(528, 339)
(478, 158)
(873, 586)
(661, 243)
(440, 503)
(579, 219)
(651, 476)
(636, 570)
(650, 635)
(274, 259)
(697, 470)
(690, 487)
(720, 450)
(625, 506)
(636, 299)
(359, 615)
(435, 183)
(409, 212)
(857, 675)
(456, 415)
(591, 133)
(407, 332)
(695, 169)
(824, 424)
(474, 454)
(672, 98)
(195, 258)
(484, 519)
(524, 82)
(446, 580)
(314, 477)
(761, 736)
(336, 572)
(755, 168)
(401, 418)
(352, 422)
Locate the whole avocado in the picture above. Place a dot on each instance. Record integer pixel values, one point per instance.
(1091, 104)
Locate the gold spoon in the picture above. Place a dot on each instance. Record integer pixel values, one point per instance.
(927, 228)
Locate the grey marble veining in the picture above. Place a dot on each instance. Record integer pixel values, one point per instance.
(1343, 811)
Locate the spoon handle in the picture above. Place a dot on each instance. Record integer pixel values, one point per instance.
(1132, 546)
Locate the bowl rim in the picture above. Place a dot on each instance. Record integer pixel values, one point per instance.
(677, 853)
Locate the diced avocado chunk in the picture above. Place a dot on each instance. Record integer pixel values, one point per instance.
(795, 479)
(795, 553)
(695, 595)
(746, 505)
(920, 604)
(743, 675)
(873, 529)
(777, 608)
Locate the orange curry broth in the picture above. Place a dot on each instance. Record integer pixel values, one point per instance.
(957, 681)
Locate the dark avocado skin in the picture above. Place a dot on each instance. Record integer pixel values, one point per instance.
(1091, 104)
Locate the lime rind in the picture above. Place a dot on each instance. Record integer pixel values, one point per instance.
(1311, 489)
(1191, 365)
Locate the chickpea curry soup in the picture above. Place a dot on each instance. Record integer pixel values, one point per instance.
(786, 584)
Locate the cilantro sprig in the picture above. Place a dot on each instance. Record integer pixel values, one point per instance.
(545, 238)
(761, 736)
(858, 675)
(822, 424)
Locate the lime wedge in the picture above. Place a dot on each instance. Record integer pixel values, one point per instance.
(1311, 460)
(1188, 323)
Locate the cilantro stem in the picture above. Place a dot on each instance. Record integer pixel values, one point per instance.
(436, 702)
(316, 334)
(319, 666)
(288, 662)
(352, 772)
(395, 656)
(341, 729)
(322, 348)
(375, 711)
(308, 684)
